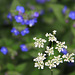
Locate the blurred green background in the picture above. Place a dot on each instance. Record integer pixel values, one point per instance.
(17, 62)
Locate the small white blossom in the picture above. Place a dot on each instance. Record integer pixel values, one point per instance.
(40, 65)
(39, 42)
(40, 57)
(51, 37)
(54, 32)
(68, 57)
(39, 61)
(60, 46)
(58, 60)
(50, 51)
(50, 63)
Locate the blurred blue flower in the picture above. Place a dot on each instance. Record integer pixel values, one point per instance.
(4, 50)
(15, 31)
(50, 10)
(23, 48)
(36, 14)
(25, 31)
(72, 15)
(74, 25)
(42, 12)
(41, 1)
(34, 20)
(64, 51)
(64, 9)
(26, 22)
(9, 16)
(23, 22)
(71, 64)
(31, 22)
(18, 18)
(20, 9)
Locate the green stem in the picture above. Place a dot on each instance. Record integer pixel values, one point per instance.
(52, 44)
(51, 72)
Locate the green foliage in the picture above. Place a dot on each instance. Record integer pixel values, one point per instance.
(48, 72)
(21, 67)
(73, 73)
(17, 62)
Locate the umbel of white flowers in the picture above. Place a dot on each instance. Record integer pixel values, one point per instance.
(56, 60)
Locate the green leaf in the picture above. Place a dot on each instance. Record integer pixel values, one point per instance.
(13, 73)
(35, 72)
(71, 48)
(18, 26)
(73, 30)
(24, 56)
(10, 66)
(34, 52)
(48, 72)
(73, 73)
(21, 67)
(53, 1)
(57, 9)
(15, 3)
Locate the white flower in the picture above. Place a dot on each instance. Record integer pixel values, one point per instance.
(39, 42)
(39, 65)
(40, 57)
(50, 63)
(51, 37)
(54, 32)
(50, 51)
(60, 46)
(58, 60)
(39, 60)
(68, 57)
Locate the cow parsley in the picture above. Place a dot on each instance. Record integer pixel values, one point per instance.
(52, 60)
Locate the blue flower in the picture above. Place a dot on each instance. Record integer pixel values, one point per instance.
(64, 9)
(41, 1)
(34, 20)
(36, 14)
(15, 31)
(18, 18)
(31, 22)
(23, 22)
(72, 15)
(42, 12)
(26, 22)
(71, 64)
(64, 51)
(50, 10)
(25, 31)
(9, 16)
(4, 50)
(20, 9)
(23, 48)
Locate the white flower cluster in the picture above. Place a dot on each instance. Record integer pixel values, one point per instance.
(50, 63)
(60, 46)
(68, 57)
(39, 42)
(58, 59)
(39, 60)
(50, 51)
(53, 60)
(51, 37)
